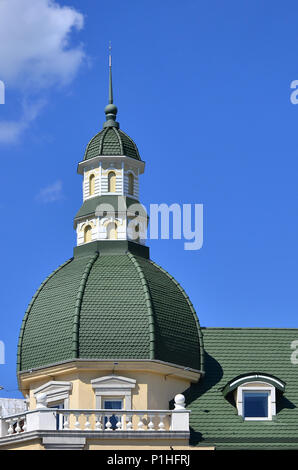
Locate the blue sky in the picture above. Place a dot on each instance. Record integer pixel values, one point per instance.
(203, 87)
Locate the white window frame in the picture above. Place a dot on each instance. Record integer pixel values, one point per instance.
(113, 387)
(261, 387)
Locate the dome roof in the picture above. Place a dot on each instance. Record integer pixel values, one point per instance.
(111, 141)
(109, 306)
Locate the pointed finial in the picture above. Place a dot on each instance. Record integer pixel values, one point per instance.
(110, 110)
(110, 75)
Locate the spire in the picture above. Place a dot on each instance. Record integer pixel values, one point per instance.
(110, 75)
(110, 110)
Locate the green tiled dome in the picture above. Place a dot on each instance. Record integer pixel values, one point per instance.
(111, 141)
(110, 306)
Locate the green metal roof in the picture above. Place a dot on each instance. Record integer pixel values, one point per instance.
(111, 141)
(111, 306)
(232, 352)
(118, 203)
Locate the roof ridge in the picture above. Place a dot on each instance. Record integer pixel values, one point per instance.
(192, 310)
(104, 131)
(78, 304)
(149, 304)
(21, 335)
(132, 141)
(119, 140)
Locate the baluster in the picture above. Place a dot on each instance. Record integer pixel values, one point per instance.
(150, 424)
(77, 422)
(87, 424)
(24, 427)
(108, 423)
(161, 426)
(140, 423)
(65, 420)
(10, 429)
(119, 423)
(18, 427)
(98, 424)
(129, 422)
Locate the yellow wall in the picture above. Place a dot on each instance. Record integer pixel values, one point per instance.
(153, 390)
(35, 444)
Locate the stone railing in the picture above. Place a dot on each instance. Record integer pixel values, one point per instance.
(53, 419)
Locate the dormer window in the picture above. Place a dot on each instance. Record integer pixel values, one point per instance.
(255, 396)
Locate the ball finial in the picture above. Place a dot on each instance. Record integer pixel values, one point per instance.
(179, 402)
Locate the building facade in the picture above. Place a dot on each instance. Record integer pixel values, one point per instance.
(111, 354)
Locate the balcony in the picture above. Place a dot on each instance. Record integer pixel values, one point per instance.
(79, 425)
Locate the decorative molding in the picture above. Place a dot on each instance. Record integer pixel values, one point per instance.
(54, 391)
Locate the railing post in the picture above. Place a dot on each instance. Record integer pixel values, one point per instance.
(3, 427)
(41, 421)
(43, 418)
(180, 416)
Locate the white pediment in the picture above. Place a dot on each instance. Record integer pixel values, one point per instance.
(113, 382)
(54, 391)
(53, 387)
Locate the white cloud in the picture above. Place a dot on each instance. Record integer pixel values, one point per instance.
(35, 43)
(36, 53)
(50, 193)
(10, 131)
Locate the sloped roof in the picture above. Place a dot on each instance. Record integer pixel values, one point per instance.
(112, 306)
(230, 352)
(118, 203)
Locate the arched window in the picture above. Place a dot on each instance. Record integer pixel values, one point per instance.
(91, 185)
(112, 231)
(131, 182)
(112, 182)
(87, 234)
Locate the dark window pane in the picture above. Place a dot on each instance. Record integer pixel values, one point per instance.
(255, 404)
(113, 404)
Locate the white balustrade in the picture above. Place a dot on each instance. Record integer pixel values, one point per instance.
(97, 420)
(15, 425)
